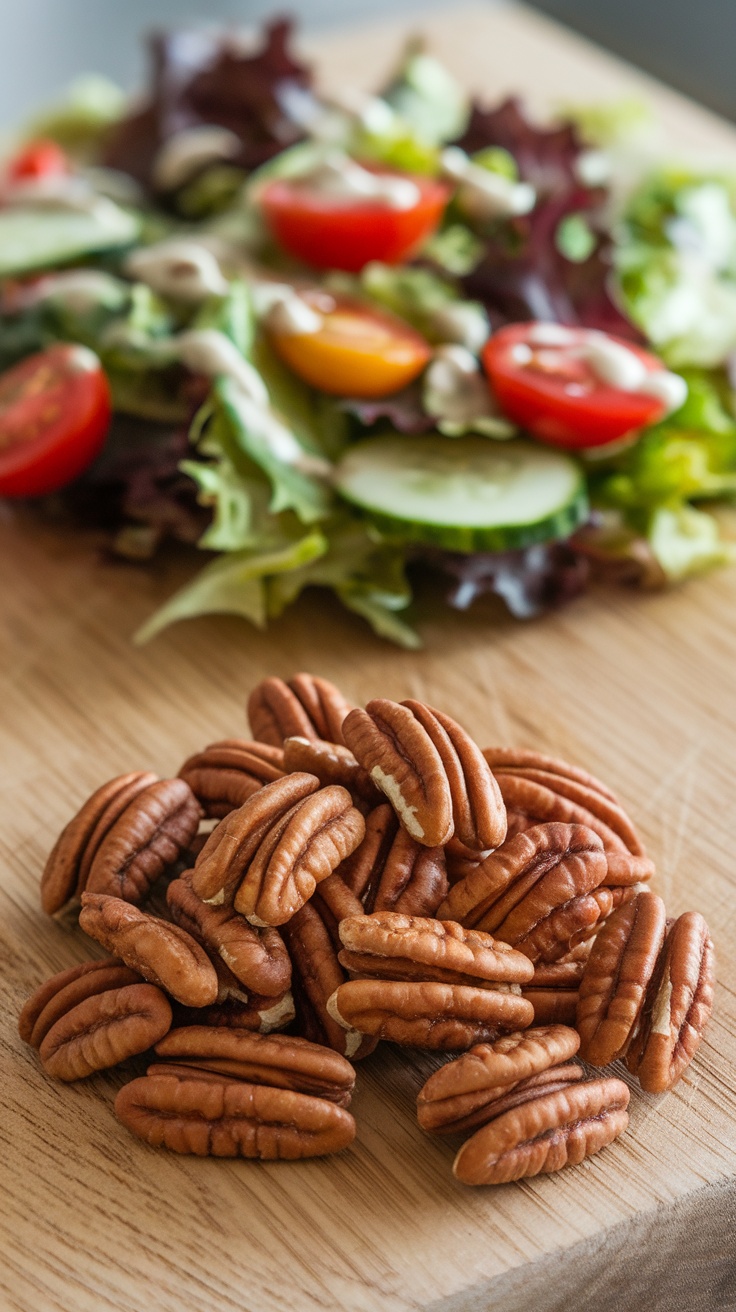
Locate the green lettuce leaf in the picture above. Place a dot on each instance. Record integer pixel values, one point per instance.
(233, 584)
(686, 541)
(427, 98)
(91, 105)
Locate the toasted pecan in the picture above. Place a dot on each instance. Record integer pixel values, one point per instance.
(162, 953)
(302, 848)
(67, 867)
(227, 773)
(304, 707)
(230, 848)
(227, 1118)
(152, 832)
(257, 957)
(281, 1060)
(545, 1134)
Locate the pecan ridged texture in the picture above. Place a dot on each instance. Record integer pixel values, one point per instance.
(430, 770)
(492, 1077)
(92, 1017)
(529, 803)
(310, 937)
(443, 1017)
(677, 1007)
(389, 945)
(162, 953)
(279, 1060)
(616, 978)
(546, 1133)
(413, 879)
(301, 849)
(150, 835)
(230, 848)
(258, 958)
(332, 763)
(232, 1119)
(304, 707)
(227, 773)
(536, 891)
(67, 868)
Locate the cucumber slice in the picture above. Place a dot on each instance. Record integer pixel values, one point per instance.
(464, 494)
(33, 239)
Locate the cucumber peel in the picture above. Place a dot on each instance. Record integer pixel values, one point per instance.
(463, 494)
(32, 239)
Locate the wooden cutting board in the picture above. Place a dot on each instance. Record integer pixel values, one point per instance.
(639, 689)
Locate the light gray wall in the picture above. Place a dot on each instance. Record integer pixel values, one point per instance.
(688, 43)
(45, 43)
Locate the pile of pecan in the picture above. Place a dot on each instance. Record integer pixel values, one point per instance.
(351, 876)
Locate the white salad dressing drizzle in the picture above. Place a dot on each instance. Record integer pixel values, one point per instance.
(60, 192)
(611, 362)
(180, 268)
(79, 290)
(208, 351)
(615, 364)
(593, 168)
(463, 323)
(188, 151)
(288, 314)
(339, 176)
(456, 394)
(483, 194)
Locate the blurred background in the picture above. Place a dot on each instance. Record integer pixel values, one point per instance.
(47, 42)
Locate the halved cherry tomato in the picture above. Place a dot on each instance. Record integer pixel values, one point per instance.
(54, 414)
(357, 351)
(332, 232)
(543, 377)
(39, 159)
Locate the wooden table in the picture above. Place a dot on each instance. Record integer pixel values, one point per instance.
(638, 688)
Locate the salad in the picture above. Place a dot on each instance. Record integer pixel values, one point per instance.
(335, 342)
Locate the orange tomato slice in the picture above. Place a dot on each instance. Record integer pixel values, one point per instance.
(358, 350)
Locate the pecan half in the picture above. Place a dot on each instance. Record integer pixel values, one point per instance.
(616, 977)
(317, 974)
(391, 945)
(465, 1092)
(551, 1131)
(413, 879)
(529, 803)
(405, 764)
(62, 878)
(444, 1017)
(152, 832)
(512, 760)
(332, 764)
(258, 958)
(301, 849)
(363, 867)
(552, 1006)
(534, 891)
(305, 707)
(162, 953)
(232, 1119)
(478, 810)
(58, 995)
(227, 773)
(225, 857)
(677, 1007)
(239, 1012)
(334, 899)
(280, 1060)
(471, 1094)
(105, 1029)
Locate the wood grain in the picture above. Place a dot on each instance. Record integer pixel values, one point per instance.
(638, 689)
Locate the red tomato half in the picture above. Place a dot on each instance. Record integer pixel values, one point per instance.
(54, 414)
(330, 232)
(552, 391)
(39, 159)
